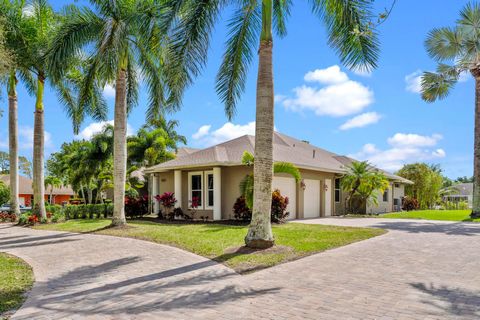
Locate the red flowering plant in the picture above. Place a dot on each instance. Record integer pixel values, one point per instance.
(7, 217)
(33, 219)
(194, 204)
(167, 200)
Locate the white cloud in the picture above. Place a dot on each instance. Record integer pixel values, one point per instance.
(413, 140)
(361, 120)
(202, 132)
(330, 75)
(404, 148)
(413, 82)
(227, 132)
(339, 97)
(279, 98)
(109, 91)
(95, 127)
(25, 138)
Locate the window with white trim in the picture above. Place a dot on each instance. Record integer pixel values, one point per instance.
(209, 197)
(195, 188)
(337, 190)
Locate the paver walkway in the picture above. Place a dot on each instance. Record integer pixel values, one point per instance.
(419, 270)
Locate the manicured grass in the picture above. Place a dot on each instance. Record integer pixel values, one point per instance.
(449, 215)
(221, 242)
(16, 277)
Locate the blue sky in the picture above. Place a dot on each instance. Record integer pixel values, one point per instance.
(318, 99)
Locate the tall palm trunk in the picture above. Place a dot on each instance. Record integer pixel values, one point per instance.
(38, 151)
(120, 148)
(476, 151)
(260, 231)
(13, 142)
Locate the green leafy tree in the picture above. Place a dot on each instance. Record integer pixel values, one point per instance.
(362, 183)
(4, 193)
(153, 144)
(427, 183)
(4, 162)
(350, 33)
(25, 166)
(247, 183)
(6, 60)
(456, 49)
(120, 38)
(52, 182)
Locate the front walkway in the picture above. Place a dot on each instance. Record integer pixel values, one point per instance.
(419, 270)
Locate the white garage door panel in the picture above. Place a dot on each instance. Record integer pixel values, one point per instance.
(288, 188)
(311, 199)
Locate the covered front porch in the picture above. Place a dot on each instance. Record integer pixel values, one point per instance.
(198, 189)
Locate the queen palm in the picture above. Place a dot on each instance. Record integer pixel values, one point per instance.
(456, 49)
(350, 32)
(121, 38)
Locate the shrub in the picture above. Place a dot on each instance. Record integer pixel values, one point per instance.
(33, 219)
(136, 207)
(23, 218)
(279, 208)
(90, 211)
(410, 204)
(241, 211)
(8, 217)
(167, 200)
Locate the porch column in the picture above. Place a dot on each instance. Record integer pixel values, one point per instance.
(217, 193)
(177, 183)
(156, 204)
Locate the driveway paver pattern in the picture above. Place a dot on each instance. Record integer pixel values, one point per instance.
(418, 270)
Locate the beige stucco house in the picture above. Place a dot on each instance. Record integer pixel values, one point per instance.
(213, 175)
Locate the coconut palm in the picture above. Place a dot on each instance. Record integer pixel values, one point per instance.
(247, 183)
(120, 38)
(362, 183)
(350, 32)
(457, 50)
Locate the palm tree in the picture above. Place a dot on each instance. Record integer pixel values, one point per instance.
(247, 183)
(456, 49)
(121, 38)
(16, 29)
(350, 32)
(52, 182)
(154, 144)
(361, 182)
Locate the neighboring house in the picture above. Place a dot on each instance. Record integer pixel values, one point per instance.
(25, 191)
(459, 192)
(213, 175)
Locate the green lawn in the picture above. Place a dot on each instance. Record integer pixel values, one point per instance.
(220, 242)
(449, 215)
(16, 277)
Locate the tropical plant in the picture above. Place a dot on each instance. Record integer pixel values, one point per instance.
(427, 183)
(247, 185)
(154, 143)
(456, 49)
(6, 59)
(167, 200)
(362, 183)
(52, 182)
(279, 208)
(16, 28)
(120, 38)
(4, 193)
(350, 32)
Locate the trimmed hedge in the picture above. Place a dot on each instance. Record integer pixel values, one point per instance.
(88, 211)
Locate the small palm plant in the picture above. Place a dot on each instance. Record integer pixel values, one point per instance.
(362, 184)
(457, 50)
(247, 183)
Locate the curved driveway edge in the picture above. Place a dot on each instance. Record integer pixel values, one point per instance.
(419, 270)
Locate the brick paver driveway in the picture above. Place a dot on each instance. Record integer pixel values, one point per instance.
(419, 270)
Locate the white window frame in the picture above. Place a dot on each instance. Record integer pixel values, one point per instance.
(337, 189)
(206, 206)
(196, 173)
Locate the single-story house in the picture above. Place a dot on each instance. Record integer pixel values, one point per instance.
(213, 175)
(25, 191)
(459, 192)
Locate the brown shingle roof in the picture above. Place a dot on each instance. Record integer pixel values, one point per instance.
(285, 148)
(25, 186)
